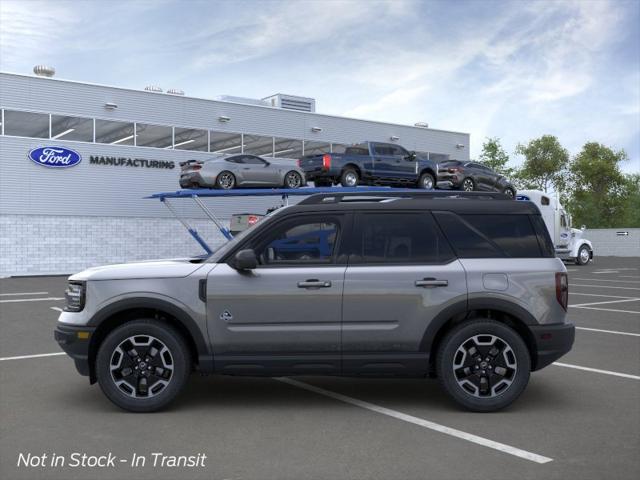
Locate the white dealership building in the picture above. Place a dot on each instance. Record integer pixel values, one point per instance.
(126, 145)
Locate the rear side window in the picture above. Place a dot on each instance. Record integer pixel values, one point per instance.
(466, 240)
(514, 234)
(399, 238)
(482, 236)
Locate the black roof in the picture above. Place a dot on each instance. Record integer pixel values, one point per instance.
(459, 202)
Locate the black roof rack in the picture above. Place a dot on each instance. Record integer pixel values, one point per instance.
(394, 194)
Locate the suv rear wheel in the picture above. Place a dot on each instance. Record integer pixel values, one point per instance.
(468, 185)
(142, 365)
(483, 364)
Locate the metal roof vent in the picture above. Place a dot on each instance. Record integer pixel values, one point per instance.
(44, 71)
(153, 88)
(175, 91)
(421, 124)
(292, 102)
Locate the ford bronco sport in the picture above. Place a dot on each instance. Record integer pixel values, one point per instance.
(464, 287)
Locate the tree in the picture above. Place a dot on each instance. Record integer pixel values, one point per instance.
(631, 205)
(599, 190)
(495, 157)
(545, 164)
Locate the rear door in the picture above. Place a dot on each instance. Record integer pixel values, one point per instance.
(383, 160)
(402, 273)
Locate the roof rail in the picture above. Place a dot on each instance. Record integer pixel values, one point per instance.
(394, 194)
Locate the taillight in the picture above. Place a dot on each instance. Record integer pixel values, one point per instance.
(562, 289)
(326, 161)
(252, 220)
(453, 170)
(197, 166)
(299, 162)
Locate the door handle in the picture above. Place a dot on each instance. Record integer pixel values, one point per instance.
(431, 283)
(313, 283)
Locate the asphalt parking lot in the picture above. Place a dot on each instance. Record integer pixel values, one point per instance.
(577, 419)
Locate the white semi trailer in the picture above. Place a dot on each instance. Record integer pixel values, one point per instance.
(569, 242)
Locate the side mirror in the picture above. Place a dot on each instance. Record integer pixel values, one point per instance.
(245, 260)
(411, 157)
(583, 227)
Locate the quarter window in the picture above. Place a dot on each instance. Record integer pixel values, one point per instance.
(400, 238)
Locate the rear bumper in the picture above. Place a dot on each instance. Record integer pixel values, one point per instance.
(448, 181)
(552, 342)
(188, 180)
(74, 340)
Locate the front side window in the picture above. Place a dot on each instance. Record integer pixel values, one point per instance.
(400, 238)
(302, 242)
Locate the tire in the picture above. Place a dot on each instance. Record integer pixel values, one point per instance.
(426, 182)
(349, 178)
(292, 180)
(225, 180)
(460, 373)
(170, 364)
(584, 255)
(510, 192)
(468, 185)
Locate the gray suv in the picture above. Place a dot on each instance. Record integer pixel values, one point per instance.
(463, 287)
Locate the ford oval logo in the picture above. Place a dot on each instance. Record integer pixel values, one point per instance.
(55, 157)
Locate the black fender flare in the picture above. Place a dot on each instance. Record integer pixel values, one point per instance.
(461, 309)
(205, 358)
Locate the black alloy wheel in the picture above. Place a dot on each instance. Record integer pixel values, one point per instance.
(483, 364)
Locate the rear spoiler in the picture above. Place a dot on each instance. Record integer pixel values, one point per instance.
(189, 162)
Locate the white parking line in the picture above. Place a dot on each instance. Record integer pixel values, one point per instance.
(632, 299)
(22, 293)
(22, 357)
(57, 309)
(608, 331)
(603, 280)
(597, 370)
(485, 442)
(604, 286)
(610, 310)
(596, 295)
(31, 299)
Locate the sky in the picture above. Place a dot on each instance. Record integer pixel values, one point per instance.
(509, 69)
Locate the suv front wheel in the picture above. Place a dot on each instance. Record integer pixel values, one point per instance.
(142, 365)
(483, 364)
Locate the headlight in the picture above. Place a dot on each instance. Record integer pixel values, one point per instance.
(74, 295)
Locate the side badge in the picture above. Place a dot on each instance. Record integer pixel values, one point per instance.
(226, 316)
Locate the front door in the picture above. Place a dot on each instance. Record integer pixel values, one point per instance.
(258, 171)
(285, 315)
(402, 273)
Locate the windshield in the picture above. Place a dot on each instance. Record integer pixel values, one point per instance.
(231, 244)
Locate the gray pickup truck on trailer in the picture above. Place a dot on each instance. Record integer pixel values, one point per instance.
(465, 287)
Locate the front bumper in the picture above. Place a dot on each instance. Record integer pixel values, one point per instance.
(551, 342)
(74, 340)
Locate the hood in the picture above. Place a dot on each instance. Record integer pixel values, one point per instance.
(577, 233)
(170, 268)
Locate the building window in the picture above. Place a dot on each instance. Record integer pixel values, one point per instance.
(287, 148)
(114, 133)
(258, 145)
(225, 143)
(157, 136)
(316, 148)
(338, 148)
(26, 124)
(71, 128)
(190, 139)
